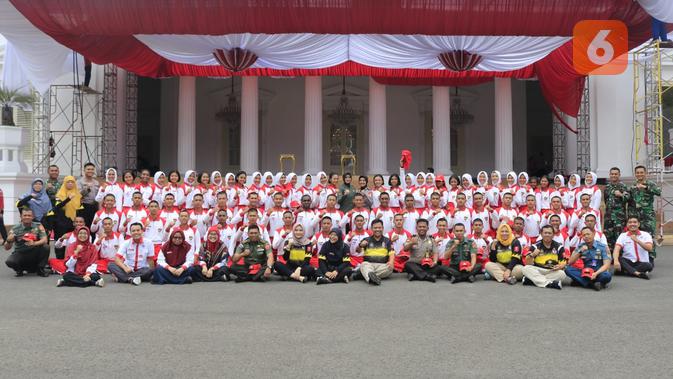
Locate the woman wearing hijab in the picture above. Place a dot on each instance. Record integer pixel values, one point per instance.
(493, 193)
(558, 188)
(111, 187)
(505, 257)
(334, 260)
(291, 200)
(592, 189)
(522, 191)
(482, 185)
(363, 189)
(68, 203)
(230, 189)
(191, 188)
(420, 191)
(571, 197)
(159, 184)
(297, 252)
(267, 189)
(216, 186)
(175, 261)
(37, 200)
(346, 193)
(81, 263)
(467, 188)
(212, 259)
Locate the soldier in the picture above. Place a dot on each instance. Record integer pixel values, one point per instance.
(642, 202)
(616, 200)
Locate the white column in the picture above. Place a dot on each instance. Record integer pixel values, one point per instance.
(504, 154)
(312, 124)
(120, 159)
(441, 130)
(249, 125)
(377, 128)
(187, 124)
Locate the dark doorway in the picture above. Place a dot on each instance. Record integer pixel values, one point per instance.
(539, 132)
(149, 123)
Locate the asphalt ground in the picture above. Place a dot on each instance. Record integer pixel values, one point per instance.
(283, 329)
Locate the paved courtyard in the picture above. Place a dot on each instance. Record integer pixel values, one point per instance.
(283, 329)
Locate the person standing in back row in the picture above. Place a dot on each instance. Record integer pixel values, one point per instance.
(89, 186)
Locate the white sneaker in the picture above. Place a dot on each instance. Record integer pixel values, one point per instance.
(60, 282)
(100, 283)
(136, 281)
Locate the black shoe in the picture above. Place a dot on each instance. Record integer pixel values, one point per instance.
(43, 273)
(596, 286)
(18, 274)
(374, 279)
(357, 275)
(643, 275)
(527, 282)
(555, 285)
(411, 277)
(240, 280)
(430, 278)
(189, 280)
(323, 280)
(453, 280)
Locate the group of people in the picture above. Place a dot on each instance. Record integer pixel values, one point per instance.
(166, 228)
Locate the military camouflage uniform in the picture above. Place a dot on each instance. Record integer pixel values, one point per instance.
(642, 206)
(615, 211)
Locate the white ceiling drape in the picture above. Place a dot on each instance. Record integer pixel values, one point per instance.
(659, 9)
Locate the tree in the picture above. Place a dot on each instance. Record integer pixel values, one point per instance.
(10, 98)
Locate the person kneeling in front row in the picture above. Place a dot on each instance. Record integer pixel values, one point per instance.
(253, 259)
(545, 262)
(334, 261)
(596, 260)
(81, 264)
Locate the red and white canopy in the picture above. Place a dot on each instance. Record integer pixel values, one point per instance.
(440, 42)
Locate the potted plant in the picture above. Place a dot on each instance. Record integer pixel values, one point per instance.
(10, 98)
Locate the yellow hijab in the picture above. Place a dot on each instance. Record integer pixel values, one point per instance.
(74, 204)
(508, 241)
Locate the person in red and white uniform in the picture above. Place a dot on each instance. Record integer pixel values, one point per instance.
(570, 198)
(230, 189)
(274, 215)
(543, 195)
(506, 213)
(169, 212)
(632, 251)
(200, 216)
(337, 216)
(577, 220)
(354, 238)
(493, 192)
(331, 188)
(175, 188)
(518, 230)
(146, 188)
(306, 189)
(396, 192)
(560, 234)
(591, 188)
(383, 212)
(482, 212)
(556, 209)
(135, 213)
(191, 188)
(558, 188)
(58, 265)
(358, 210)
(522, 190)
(241, 189)
(267, 189)
(319, 202)
(107, 244)
(442, 238)
(410, 213)
(187, 227)
(134, 261)
(160, 181)
(378, 189)
(434, 212)
(467, 188)
(156, 227)
(204, 187)
(240, 216)
(307, 217)
(279, 234)
(257, 186)
(217, 186)
(398, 237)
(292, 201)
(241, 234)
(111, 187)
(439, 187)
(482, 241)
(129, 187)
(419, 192)
(532, 218)
(462, 214)
(107, 210)
(510, 187)
(482, 185)
(591, 222)
(221, 204)
(453, 191)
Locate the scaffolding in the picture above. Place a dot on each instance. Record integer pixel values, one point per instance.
(131, 121)
(109, 128)
(558, 146)
(584, 133)
(40, 134)
(652, 149)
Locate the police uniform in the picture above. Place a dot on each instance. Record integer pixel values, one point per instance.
(421, 255)
(593, 258)
(28, 258)
(540, 272)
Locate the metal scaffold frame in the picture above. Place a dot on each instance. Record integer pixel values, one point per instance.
(584, 133)
(109, 128)
(131, 121)
(649, 87)
(40, 134)
(558, 146)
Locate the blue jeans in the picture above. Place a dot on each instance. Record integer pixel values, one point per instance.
(163, 276)
(659, 30)
(576, 275)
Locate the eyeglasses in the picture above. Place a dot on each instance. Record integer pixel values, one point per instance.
(177, 238)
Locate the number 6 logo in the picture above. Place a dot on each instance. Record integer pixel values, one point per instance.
(600, 47)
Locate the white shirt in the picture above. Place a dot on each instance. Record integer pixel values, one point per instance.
(631, 250)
